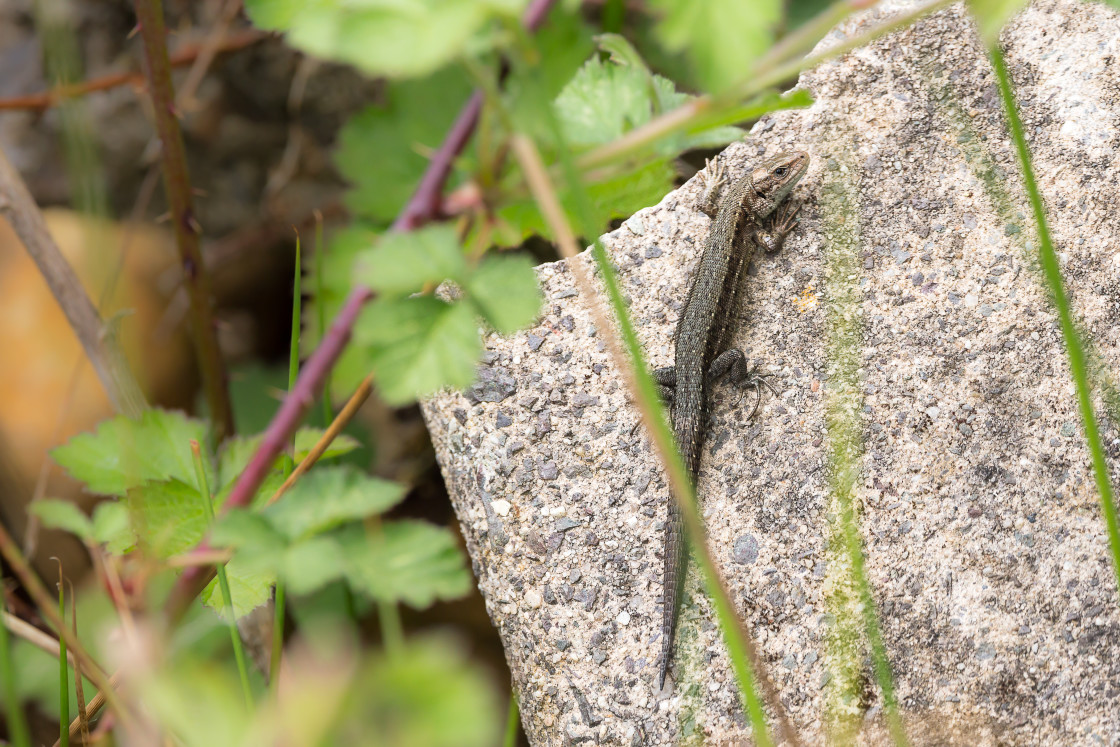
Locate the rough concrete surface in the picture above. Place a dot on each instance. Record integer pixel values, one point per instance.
(983, 535)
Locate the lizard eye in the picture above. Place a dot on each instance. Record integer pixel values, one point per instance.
(780, 171)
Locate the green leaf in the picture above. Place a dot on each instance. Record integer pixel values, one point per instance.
(123, 453)
(306, 438)
(237, 451)
(328, 497)
(394, 38)
(419, 345)
(112, 528)
(604, 101)
(991, 15)
(312, 564)
(200, 703)
(722, 38)
(170, 517)
(250, 586)
(64, 515)
(504, 290)
(543, 69)
(402, 263)
(619, 195)
(337, 281)
(409, 561)
(241, 528)
(425, 695)
(384, 150)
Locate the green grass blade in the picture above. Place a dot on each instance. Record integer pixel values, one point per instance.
(513, 721)
(223, 582)
(16, 720)
(1048, 259)
(63, 670)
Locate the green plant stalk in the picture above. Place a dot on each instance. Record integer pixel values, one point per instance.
(640, 384)
(1052, 271)
(63, 671)
(512, 721)
(223, 581)
(16, 721)
(734, 636)
(280, 598)
(321, 314)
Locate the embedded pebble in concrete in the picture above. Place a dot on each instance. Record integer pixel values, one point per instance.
(982, 532)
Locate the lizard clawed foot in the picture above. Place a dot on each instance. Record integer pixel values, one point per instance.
(713, 177)
(756, 381)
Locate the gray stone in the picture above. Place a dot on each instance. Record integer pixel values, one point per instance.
(908, 136)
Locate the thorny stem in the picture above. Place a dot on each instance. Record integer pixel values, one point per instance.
(183, 56)
(177, 185)
(419, 210)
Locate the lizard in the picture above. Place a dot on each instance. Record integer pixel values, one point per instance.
(748, 215)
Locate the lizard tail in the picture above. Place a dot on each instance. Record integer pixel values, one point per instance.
(674, 587)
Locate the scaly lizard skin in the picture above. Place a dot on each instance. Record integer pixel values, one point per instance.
(747, 217)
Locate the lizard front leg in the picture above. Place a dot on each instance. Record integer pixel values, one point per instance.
(772, 235)
(713, 177)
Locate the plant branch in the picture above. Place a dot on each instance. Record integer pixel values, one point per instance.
(177, 186)
(184, 56)
(38, 593)
(419, 210)
(21, 211)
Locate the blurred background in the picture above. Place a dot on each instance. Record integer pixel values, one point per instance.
(261, 123)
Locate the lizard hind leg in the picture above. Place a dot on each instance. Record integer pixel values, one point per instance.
(733, 365)
(666, 379)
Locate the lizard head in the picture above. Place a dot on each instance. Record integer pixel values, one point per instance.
(774, 180)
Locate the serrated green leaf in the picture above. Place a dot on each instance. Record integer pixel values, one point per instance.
(722, 38)
(237, 451)
(541, 71)
(425, 695)
(123, 453)
(249, 586)
(504, 290)
(605, 101)
(337, 281)
(312, 564)
(64, 515)
(306, 438)
(408, 561)
(112, 528)
(328, 497)
(200, 702)
(991, 15)
(245, 529)
(171, 517)
(384, 150)
(419, 345)
(393, 38)
(617, 196)
(403, 262)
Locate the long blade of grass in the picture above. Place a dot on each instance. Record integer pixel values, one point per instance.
(632, 366)
(16, 720)
(223, 582)
(63, 668)
(1052, 271)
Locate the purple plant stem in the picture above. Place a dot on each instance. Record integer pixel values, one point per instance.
(421, 208)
